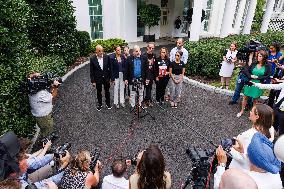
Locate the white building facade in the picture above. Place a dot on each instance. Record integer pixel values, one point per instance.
(105, 19)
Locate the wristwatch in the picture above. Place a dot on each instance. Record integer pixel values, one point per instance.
(222, 164)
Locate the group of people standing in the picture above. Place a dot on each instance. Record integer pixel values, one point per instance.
(262, 70)
(125, 71)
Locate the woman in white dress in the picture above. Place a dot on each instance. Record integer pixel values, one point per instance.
(228, 64)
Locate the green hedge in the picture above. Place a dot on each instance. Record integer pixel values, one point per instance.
(206, 55)
(84, 41)
(52, 29)
(108, 44)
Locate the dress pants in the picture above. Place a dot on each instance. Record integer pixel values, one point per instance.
(119, 89)
(99, 87)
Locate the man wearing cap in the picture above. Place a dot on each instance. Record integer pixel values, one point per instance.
(264, 166)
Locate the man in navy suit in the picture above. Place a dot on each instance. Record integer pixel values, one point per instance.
(100, 73)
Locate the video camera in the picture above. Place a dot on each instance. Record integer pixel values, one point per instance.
(41, 82)
(251, 46)
(95, 155)
(202, 162)
(137, 84)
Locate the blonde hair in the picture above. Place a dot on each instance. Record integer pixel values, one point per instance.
(79, 162)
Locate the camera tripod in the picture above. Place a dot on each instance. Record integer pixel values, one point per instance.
(138, 108)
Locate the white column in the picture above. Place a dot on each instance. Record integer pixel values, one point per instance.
(267, 16)
(281, 5)
(239, 17)
(195, 26)
(82, 15)
(228, 18)
(249, 16)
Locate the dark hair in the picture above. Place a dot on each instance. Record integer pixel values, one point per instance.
(180, 53)
(118, 167)
(167, 52)
(151, 169)
(265, 120)
(264, 55)
(10, 184)
(276, 46)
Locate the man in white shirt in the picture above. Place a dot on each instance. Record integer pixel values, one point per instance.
(264, 166)
(179, 47)
(116, 180)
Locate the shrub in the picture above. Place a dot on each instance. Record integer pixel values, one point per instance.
(258, 16)
(206, 55)
(52, 29)
(14, 52)
(108, 44)
(84, 41)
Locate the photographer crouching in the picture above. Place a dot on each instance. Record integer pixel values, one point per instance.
(40, 98)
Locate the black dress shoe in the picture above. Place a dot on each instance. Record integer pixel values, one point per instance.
(99, 107)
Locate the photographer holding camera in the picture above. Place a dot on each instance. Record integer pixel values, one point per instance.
(228, 64)
(79, 175)
(41, 105)
(35, 163)
(116, 180)
(264, 167)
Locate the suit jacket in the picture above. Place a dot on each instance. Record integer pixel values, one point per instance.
(96, 73)
(115, 66)
(130, 69)
(149, 73)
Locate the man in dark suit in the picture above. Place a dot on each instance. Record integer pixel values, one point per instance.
(135, 72)
(100, 73)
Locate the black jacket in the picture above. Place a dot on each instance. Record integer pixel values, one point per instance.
(115, 67)
(96, 73)
(267, 73)
(130, 69)
(149, 69)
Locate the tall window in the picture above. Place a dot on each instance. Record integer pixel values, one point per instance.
(236, 12)
(207, 15)
(140, 25)
(96, 19)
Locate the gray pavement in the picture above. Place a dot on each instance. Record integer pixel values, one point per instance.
(78, 122)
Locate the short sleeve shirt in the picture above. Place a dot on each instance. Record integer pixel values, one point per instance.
(177, 68)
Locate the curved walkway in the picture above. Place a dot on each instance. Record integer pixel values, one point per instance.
(78, 122)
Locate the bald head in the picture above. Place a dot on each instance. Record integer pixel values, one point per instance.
(180, 42)
(99, 50)
(236, 179)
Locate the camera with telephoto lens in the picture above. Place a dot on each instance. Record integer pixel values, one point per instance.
(137, 84)
(227, 143)
(202, 164)
(95, 155)
(36, 84)
(61, 151)
(52, 137)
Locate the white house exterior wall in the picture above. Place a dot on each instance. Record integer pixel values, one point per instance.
(82, 15)
(120, 17)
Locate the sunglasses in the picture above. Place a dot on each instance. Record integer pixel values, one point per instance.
(177, 55)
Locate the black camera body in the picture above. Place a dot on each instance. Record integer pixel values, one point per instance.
(95, 155)
(36, 84)
(227, 143)
(61, 151)
(201, 164)
(52, 137)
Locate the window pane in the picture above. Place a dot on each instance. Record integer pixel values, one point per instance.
(96, 19)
